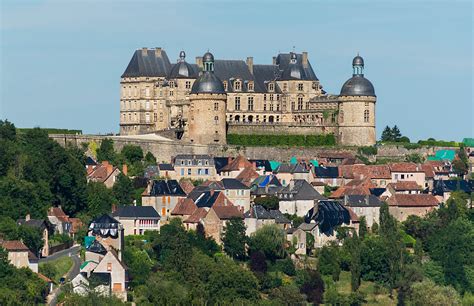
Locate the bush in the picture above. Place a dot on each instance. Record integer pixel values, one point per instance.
(286, 266)
(282, 140)
(367, 150)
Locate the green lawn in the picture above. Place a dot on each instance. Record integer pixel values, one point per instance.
(57, 268)
(373, 295)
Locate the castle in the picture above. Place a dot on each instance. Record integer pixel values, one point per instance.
(205, 101)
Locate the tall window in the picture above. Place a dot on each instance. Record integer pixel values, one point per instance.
(271, 106)
(366, 115)
(155, 117)
(250, 103)
(216, 120)
(271, 86)
(265, 106)
(250, 86)
(300, 86)
(147, 91)
(307, 104)
(278, 107)
(292, 105)
(147, 117)
(271, 97)
(188, 84)
(147, 104)
(216, 106)
(237, 103)
(171, 84)
(237, 85)
(225, 85)
(285, 86)
(300, 103)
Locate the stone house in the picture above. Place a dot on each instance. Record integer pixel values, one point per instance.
(137, 219)
(264, 186)
(403, 205)
(327, 175)
(105, 173)
(112, 265)
(297, 198)
(297, 238)
(257, 216)
(367, 206)
(196, 167)
(43, 226)
(237, 192)
(167, 171)
(184, 209)
(163, 195)
(216, 219)
(442, 189)
(408, 172)
(404, 187)
(379, 175)
(235, 166)
(60, 220)
(108, 231)
(197, 216)
(247, 176)
(287, 172)
(17, 253)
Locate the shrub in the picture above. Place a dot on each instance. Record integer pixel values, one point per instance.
(286, 266)
(282, 140)
(367, 150)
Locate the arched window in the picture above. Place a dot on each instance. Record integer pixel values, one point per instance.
(366, 115)
(270, 119)
(250, 118)
(237, 118)
(300, 103)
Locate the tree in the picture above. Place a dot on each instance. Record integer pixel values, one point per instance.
(375, 228)
(396, 135)
(99, 199)
(7, 130)
(356, 265)
(329, 261)
(269, 239)
(313, 287)
(106, 151)
(258, 262)
(150, 159)
(459, 167)
(234, 238)
(270, 202)
(387, 134)
(123, 190)
(427, 293)
(132, 153)
(415, 158)
(32, 237)
(362, 227)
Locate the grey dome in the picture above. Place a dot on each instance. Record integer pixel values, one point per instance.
(358, 86)
(208, 57)
(208, 82)
(358, 61)
(182, 70)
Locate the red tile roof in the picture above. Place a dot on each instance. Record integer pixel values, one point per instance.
(365, 171)
(348, 190)
(185, 207)
(405, 167)
(237, 164)
(197, 215)
(412, 200)
(247, 176)
(14, 245)
(353, 215)
(405, 185)
(227, 212)
(186, 185)
(76, 224)
(102, 172)
(429, 170)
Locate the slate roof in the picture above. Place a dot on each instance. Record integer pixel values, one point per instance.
(442, 186)
(327, 215)
(257, 212)
(229, 70)
(264, 74)
(148, 63)
(279, 217)
(377, 191)
(166, 167)
(96, 247)
(292, 168)
(301, 190)
(90, 161)
(151, 171)
(220, 162)
(166, 187)
(283, 62)
(265, 180)
(212, 198)
(362, 201)
(262, 164)
(136, 212)
(41, 224)
(231, 184)
(326, 172)
(307, 227)
(412, 200)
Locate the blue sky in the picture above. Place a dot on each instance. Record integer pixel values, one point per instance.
(61, 61)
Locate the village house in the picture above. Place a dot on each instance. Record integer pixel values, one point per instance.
(367, 206)
(379, 175)
(196, 218)
(167, 171)
(297, 238)
(442, 189)
(137, 219)
(107, 231)
(163, 195)
(117, 272)
(184, 209)
(404, 187)
(105, 173)
(235, 166)
(403, 205)
(247, 176)
(216, 220)
(327, 175)
(257, 216)
(43, 226)
(265, 185)
(336, 158)
(298, 197)
(63, 224)
(408, 172)
(194, 167)
(237, 193)
(17, 253)
(287, 172)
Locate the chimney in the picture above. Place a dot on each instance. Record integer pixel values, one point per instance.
(274, 60)
(114, 207)
(158, 52)
(304, 59)
(27, 217)
(125, 169)
(199, 61)
(144, 51)
(250, 64)
(345, 200)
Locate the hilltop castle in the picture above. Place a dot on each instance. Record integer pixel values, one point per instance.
(204, 101)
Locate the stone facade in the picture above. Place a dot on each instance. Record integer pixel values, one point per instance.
(285, 97)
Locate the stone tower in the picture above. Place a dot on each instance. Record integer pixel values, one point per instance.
(207, 109)
(357, 108)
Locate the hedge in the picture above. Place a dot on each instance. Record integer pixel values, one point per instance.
(52, 131)
(281, 140)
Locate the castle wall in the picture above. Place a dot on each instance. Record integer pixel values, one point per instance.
(279, 129)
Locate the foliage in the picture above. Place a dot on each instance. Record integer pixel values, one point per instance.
(270, 202)
(428, 293)
(329, 261)
(282, 140)
(393, 135)
(99, 199)
(295, 220)
(355, 251)
(234, 238)
(367, 150)
(415, 158)
(91, 299)
(149, 160)
(137, 259)
(270, 240)
(106, 151)
(438, 143)
(313, 287)
(286, 266)
(362, 227)
(132, 153)
(60, 267)
(258, 262)
(123, 190)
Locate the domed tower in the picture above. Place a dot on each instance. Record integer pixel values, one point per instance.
(207, 110)
(357, 108)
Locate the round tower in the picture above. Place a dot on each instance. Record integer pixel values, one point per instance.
(207, 110)
(357, 108)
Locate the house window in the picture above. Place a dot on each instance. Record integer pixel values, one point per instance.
(250, 86)
(366, 104)
(171, 84)
(271, 86)
(264, 97)
(182, 171)
(147, 91)
(171, 93)
(292, 105)
(300, 103)
(264, 106)
(237, 85)
(333, 117)
(216, 106)
(189, 171)
(278, 107)
(307, 104)
(216, 119)
(206, 171)
(271, 97)
(250, 103)
(366, 115)
(155, 117)
(199, 171)
(300, 86)
(188, 84)
(237, 103)
(285, 86)
(147, 117)
(271, 107)
(225, 85)
(109, 266)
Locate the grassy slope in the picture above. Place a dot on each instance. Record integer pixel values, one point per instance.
(62, 266)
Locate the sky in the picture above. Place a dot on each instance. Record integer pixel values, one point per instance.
(61, 61)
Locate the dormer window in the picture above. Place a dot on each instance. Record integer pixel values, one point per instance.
(171, 83)
(300, 86)
(271, 87)
(225, 85)
(250, 86)
(188, 84)
(237, 85)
